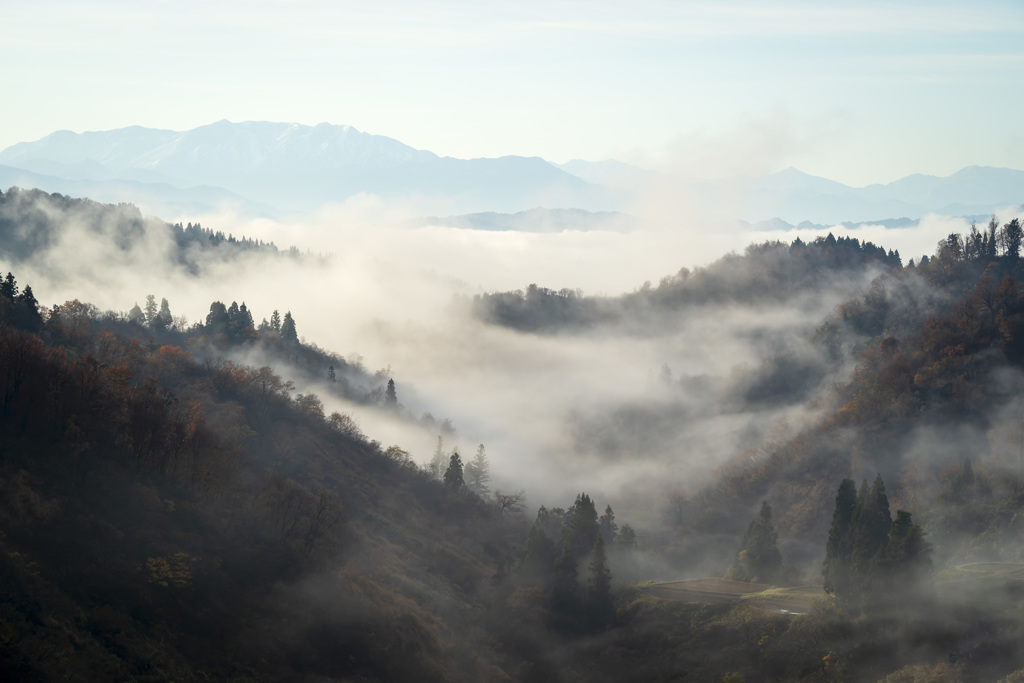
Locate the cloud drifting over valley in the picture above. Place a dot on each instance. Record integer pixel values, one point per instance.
(398, 296)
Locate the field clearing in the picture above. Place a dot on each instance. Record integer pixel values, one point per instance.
(795, 600)
(983, 571)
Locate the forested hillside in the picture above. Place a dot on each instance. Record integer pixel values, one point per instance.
(170, 510)
(32, 221)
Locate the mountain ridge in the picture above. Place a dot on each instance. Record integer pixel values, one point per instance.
(297, 167)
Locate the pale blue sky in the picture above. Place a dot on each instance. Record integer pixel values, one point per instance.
(859, 92)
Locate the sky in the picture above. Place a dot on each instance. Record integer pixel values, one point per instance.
(856, 92)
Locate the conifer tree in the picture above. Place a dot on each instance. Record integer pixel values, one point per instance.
(759, 558)
(150, 309)
(27, 317)
(288, 332)
(581, 529)
(453, 475)
(839, 550)
(9, 287)
(478, 474)
(1013, 236)
(275, 321)
(391, 396)
(244, 320)
(217, 319)
(136, 315)
(437, 462)
(871, 524)
(626, 538)
(332, 376)
(608, 526)
(163, 319)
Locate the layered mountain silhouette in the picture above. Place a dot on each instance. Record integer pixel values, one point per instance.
(297, 167)
(262, 168)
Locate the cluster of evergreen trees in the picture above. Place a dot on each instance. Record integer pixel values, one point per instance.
(19, 309)
(553, 566)
(871, 558)
(234, 322)
(157, 320)
(993, 241)
(197, 234)
(447, 466)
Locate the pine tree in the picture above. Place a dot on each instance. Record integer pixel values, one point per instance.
(837, 567)
(150, 310)
(758, 558)
(9, 287)
(27, 316)
(391, 396)
(1013, 236)
(907, 553)
(608, 526)
(288, 332)
(581, 529)
(163, 319)
(437, 463)
(453, 475)
(275, 321)
(478, 474)
(217, 319)
(245, 321)
(626, 538)
(332, 376)
(871, 524)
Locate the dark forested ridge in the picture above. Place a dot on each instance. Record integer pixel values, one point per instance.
(168, 514)
(769, 273)
(32, 221)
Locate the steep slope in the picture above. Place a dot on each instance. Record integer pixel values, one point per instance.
(165, 519)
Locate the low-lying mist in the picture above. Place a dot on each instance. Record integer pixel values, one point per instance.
(608, 412)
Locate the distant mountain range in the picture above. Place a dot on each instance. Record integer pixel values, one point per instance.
(298, 168)
(272, 169)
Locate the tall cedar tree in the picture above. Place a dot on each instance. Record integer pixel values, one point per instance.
(871, 561)
(453, 475)
(608, 526)
(391, 396)
(839, 550)
(759, 558)
(581, 530)
(478, 474)
(436, 467)
(217, 320)
(151, 309)
(288, 332)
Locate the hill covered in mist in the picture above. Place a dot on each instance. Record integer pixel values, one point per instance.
(227, 499)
